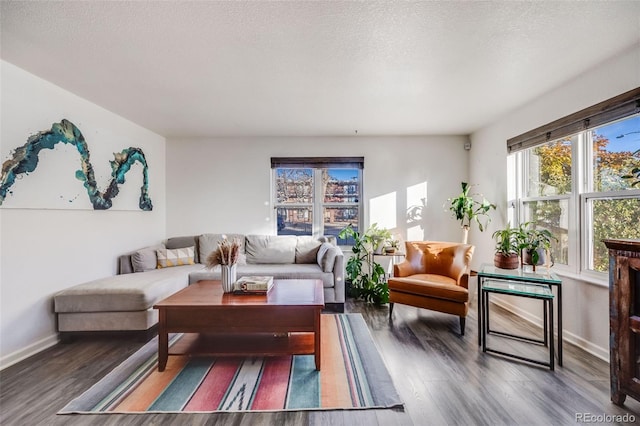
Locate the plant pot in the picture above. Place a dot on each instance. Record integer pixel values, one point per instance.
(390, 250)
(527, 257)
(511, 261)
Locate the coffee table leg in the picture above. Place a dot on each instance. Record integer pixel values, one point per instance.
(163, 342)
(317, 340)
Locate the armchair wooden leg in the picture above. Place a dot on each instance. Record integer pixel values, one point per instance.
(463, 321)
(390, 309)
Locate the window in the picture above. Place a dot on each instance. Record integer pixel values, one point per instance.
(548, 192)
(317, 196)
(610, 203)
(582, 187)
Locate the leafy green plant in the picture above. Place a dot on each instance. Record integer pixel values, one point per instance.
(467, 209)
(634, 175)
(507, 242)
(534, 240)
(376, 237)
(367, 278)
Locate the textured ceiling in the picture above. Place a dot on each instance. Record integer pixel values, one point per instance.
(188, 69)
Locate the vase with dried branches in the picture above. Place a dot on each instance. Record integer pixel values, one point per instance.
(226, 255)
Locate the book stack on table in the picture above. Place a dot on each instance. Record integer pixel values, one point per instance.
(253, 285)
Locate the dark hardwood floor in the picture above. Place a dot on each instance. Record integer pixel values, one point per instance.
(443, 378)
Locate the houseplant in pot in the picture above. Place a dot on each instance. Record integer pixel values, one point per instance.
(466, 209)
(535, 243)
(507, 248)
(391, 246)
(377, 237)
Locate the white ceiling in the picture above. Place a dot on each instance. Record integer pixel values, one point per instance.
(189, 69)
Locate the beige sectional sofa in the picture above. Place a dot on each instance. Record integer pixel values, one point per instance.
(125, 302)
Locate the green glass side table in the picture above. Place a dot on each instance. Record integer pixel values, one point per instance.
(542, 275)
(522, 289)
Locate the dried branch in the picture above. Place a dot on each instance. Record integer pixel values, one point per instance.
(227, 253)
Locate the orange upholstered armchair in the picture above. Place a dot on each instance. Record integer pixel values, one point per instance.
(434, 275)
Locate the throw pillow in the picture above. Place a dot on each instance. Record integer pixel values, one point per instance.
(178, 257)
(307, 249)
(271, 248)
(184, 242)
(145, 259)
(327, 256)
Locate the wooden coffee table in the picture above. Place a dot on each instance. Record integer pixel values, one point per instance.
(285, 321)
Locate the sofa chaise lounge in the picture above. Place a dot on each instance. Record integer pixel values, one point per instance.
(124, 302)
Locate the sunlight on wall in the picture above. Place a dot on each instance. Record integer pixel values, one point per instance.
(416, 205)
(382, 210)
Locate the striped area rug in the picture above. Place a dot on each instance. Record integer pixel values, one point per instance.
(352, 376)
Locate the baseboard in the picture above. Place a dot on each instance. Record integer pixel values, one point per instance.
(24, 353)
(597, 351)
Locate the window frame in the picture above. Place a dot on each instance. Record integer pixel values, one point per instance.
(580, 223)
(318, 205)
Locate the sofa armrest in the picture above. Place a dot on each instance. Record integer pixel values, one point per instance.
(404, 269)
(338, 277)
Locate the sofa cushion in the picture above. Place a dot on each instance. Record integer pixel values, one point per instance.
(128, 292)
(209, 242)
(177, 257)
(271, 248)
(145, 259)
(307, 249)
(182, 242)
(327, 256)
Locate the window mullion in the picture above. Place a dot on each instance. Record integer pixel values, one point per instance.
(318, 203)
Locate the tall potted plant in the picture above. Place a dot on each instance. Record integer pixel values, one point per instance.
(467, 209)
(366, 277)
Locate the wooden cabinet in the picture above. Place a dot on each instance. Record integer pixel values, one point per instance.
(624, 318)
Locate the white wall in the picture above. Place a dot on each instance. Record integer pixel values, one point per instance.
(46, 250)
(224, 185)
(585, 304)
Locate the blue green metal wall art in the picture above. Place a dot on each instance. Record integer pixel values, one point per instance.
(24, 160)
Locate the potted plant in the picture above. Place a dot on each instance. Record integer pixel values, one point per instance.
(466, 209)
(377, 237)
(535, 243)
(366, 278)
(507, 248)
(391, 246)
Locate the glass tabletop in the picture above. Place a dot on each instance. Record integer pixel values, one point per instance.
(518, 288)
(541, 275)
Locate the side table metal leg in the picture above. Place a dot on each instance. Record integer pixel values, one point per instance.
(480, 310)
(551, 354)
(485, 320)
(559, 325)
(545, 326)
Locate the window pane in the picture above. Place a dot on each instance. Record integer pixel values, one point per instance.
(337, 218)
(340, 185)
(552, 215)
(511, 172)
(614, 146)
(612, 218)
(295, 221)
(549, 168)
(294, 186)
